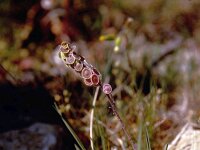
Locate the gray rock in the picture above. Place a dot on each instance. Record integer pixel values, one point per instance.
(38, 136)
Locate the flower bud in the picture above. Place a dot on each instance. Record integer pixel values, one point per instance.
(107, 89)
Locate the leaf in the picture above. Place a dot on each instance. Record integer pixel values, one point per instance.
(70, 129)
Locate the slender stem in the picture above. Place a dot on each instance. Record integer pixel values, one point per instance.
(112, 133)
(92, 117)
(69, 128)
(14, 80)
(112, 103)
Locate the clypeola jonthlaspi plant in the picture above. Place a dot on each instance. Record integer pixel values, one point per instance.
(91, 77)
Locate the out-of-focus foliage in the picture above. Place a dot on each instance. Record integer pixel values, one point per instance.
(148, 50)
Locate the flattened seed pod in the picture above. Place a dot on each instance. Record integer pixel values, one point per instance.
(95, 79)
(70, 59)
(64, 47)
(86, 73)
(89, 74)
(78, 66)
(88, 82)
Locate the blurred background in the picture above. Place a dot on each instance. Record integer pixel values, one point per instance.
(147, 50)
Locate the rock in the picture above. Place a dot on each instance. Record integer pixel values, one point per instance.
(187, 139)
(21, 108)
(38, 136)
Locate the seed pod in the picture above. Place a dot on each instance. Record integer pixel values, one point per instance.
(86, 73)
(78, 66)
(70, 59)
(95, 79)
(107, 89)
(64, 47)
(88, 82)
(90, 74)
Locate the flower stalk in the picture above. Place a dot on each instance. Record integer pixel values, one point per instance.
(91, 77)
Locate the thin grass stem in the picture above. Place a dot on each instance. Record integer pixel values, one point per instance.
(70, 128)
(112, 103)
(92, 117)
(147, 138)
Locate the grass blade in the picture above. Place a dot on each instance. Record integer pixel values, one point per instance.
(92, 117)
(140, 136)
(70, 129)
(166, 147)
(147, 138)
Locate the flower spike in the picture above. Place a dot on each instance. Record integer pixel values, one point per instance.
(90, 76)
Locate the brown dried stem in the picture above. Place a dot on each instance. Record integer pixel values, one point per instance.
(112, 103)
